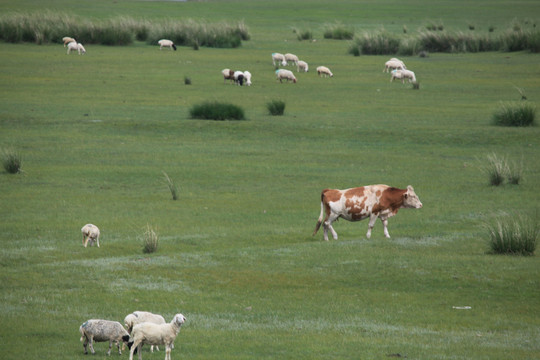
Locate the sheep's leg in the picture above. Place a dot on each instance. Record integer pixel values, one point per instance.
(110, 347)
(85, 344)
(97, 240)
(167, 352)
(92, 345)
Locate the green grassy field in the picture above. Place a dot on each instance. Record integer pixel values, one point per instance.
(236, 255)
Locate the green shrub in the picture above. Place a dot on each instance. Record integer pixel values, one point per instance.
(515, 114)
(338, 32)
(187, 80)
(150, 240)
(216, 111)
(496, 169)
(276, 107)
(381, 43)
(511, 235)
(303, 34)
(12, 161)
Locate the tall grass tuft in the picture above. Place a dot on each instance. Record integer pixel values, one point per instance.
(337, 32)
(276, 107)
(515, 114)
(305, 34)
(216, 111)
(150, 240)
(515, 236)
(496, 169)
(171, 185)
(12, 161)
(380, 43)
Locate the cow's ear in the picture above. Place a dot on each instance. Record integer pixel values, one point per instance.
(405, 195)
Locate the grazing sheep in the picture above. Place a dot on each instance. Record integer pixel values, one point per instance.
(302, 66)
(102, 330)
(67, 40)
(90, 233)
(154, 334)
(285, 74)
(403, 74)
(394, 64)
(228, 74)
(291, 58)
(166, 43)
(76, 46)
(323, 70)
(239, 78)
(138, 317)
(279, 58)
(247, 77)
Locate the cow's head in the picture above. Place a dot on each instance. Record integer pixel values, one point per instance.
(410, 199)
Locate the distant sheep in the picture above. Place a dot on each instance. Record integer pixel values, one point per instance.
(239, 78)
(76, 46)
(279, 59)
(247, 77)
(291, 58)
(228, 74)
(323, 70)
(394, 64)
(154, 334)
(302, 66)
(282, 74)
(138, 317)
(90, 233)
(67, 40)
(403, 74)
(166, 43)
(102, 330)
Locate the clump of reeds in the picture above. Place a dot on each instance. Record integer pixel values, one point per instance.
(499, 170)
(12, 161)
(217, 111)
(150, 240)
(171, 185)
(515, 114)
(276, 107)
(337, 32)
(305, 34)
(379, 43)
(513, 235)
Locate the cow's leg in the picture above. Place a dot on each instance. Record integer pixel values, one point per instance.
(372, 219)
(385, 225)
(328, 225)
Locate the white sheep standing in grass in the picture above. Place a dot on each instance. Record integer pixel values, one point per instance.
(403, 74)
(291, 58)
(282, 74)
(228, 74)
(90, 233)
(247, 77)
(138, 317)
(279, 59)
(67, 40)
(323, 70)
(154, 334)
(166, 43)
(76, 46)
(97, 330)
(393, 64)
(302, 66)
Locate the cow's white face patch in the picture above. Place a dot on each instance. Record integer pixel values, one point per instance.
(411, 200)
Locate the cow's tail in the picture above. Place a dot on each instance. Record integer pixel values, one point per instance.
(320, 220)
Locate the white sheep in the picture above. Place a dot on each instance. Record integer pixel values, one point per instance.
(291, 58)
(285, 74)
(102, 330)
(166, 43)
(323, 70)
(138, 317)
(302, 66)
(228, 74)
(76, 46)
(247, 77)
(279, 58)
(394, 64)
(239, 78)
(67, 40)
(154, 334)
(90, 233)
(403, 74)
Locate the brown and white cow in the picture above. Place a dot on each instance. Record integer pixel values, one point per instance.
(372, 201)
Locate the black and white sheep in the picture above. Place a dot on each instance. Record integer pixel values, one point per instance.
(239, 78)
(154, 334)
(166, 43)
(97, 330)
(90, 233)
(282, 74)
(76, 46)
(323, 70)
(138, 317)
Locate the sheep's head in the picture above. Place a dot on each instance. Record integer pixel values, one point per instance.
(179, 319)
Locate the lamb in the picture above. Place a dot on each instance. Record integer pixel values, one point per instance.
(285, 74)
(291, 58)
(67, 40)
(228, 74)
(394, 64)
(323, 70)
(279, 58)
(302, 66)
(247, 77)
(403, 74)
(102, 330)
(138, 317)
(76, 46)
(154, 334)
(239, 78)
(166, 43)
(90, 233)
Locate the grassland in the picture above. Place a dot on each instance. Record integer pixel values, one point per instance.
(236, 255)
